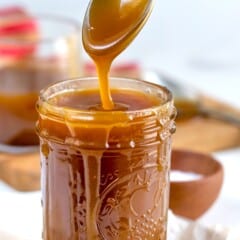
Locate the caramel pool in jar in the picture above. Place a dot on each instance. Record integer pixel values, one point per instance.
(105, 174)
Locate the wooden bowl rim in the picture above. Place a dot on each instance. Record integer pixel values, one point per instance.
(218, 167)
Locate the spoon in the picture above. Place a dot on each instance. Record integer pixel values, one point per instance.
(109, 26)
(188, 102)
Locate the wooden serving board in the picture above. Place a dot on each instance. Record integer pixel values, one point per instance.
(22, 172)
(206, 134)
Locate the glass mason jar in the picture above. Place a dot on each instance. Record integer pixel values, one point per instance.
(105, 174)
(35, 51)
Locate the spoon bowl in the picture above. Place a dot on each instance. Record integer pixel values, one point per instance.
(110, 26)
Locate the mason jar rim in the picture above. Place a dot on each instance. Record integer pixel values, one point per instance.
(65, 86)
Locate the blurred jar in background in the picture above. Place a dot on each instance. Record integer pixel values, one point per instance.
(35, 51)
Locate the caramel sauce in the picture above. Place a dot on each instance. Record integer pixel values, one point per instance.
(128, 100)
(18, 117)
(19, 90)
(105, 152)
(109, 27)
(104, 177)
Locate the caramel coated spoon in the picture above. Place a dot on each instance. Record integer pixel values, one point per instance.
(109, 26)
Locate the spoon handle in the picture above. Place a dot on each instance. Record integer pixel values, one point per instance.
(221, 115)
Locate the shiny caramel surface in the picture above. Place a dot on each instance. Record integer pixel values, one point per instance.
(130, 100)
(111, 25)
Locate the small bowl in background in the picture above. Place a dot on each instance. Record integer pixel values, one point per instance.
(191, 196)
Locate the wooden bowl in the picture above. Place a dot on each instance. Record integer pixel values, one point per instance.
(21, 171)
(192, 198)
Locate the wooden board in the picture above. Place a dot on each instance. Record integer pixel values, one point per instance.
(207, 134)
(22, 172)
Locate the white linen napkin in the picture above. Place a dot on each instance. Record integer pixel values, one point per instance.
(6, 236)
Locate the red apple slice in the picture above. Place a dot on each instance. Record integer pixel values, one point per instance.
(17, 29)
(5, 12)
(26, 26)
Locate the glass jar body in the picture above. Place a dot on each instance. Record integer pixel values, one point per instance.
(48, 52)
(105, 174)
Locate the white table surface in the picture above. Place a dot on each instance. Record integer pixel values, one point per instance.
(198, 43)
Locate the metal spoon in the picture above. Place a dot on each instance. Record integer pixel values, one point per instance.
(188, 102)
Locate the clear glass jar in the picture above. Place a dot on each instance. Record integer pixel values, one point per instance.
(105, 174)
(48, 52)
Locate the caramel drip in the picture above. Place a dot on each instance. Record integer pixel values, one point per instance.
(109, 27)
(105, 187)
(92, 172)
(103, 68)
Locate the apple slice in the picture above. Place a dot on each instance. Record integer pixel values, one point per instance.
(17, 29)
(5, 12)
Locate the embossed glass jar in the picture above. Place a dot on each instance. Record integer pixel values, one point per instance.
(105, 174)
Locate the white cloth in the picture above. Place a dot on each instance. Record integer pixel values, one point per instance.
(180, 229)
(7, 236)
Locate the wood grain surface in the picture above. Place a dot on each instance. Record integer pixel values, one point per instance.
(207, 134)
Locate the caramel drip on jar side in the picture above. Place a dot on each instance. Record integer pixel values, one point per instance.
(92, 172)
(92, 181)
